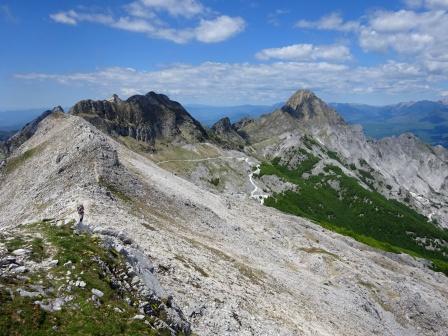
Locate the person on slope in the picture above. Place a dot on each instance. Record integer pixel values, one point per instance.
(81, 212)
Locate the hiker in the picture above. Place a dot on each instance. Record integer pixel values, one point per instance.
(81, 212)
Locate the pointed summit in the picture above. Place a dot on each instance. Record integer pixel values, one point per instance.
(307, 107)
(57, 109)
(114, 99)
(300, 97)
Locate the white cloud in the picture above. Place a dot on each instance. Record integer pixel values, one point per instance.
(274, 17)
(431, 4)
(401, 20)
(417, 34)
(141, 17)
(65, 17)
(332, 21)
(219, 29)
(227, 83)
(437, 4)
(420, 33)
(371, 40)
(186, 8)
(306, 52)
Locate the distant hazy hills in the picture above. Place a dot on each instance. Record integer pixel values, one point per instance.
(11, 120)
(426, 119)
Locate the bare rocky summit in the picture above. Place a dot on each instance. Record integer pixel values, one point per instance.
(225, 133)
(148, 118)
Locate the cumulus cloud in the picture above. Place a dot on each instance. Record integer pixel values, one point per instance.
(219, 29)
(235, 83)
(275, 16)
(418, 34)
(332, 21)
(186, 8)
(430, 4)
(141, 17)
(306, 52)
(69, 17)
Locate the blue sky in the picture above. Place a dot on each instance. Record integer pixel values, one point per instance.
(222, 52)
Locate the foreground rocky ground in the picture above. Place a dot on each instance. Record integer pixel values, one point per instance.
(58, 278)
(233, 266)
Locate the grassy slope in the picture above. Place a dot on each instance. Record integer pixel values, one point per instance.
(354, 211)
(20, 316)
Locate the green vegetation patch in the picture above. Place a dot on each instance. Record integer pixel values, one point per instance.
(306, 165)
(15, 162)
(214, 181)
(354, 211)
(80, 315)
(114, 190)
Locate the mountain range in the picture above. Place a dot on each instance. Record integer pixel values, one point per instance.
(426, 119)
(290, 223)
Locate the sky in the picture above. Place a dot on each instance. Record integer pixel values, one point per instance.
(222, 52)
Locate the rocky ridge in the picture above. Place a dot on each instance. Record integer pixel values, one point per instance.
(233, 266)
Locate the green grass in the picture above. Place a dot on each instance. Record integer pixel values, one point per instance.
(114, 190)
(334, 156)
(214, 181)
(15, 162)
(306, 165)
(14, 244)
(38, 252)
(354, 211)
(21, 316)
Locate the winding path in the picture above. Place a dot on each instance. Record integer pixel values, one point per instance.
(255, 193)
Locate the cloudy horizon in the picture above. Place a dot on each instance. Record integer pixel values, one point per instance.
(237, 52)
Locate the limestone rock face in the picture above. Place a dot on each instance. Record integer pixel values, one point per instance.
(145, 118)
(226, 134)
(303, 110)
(308, 108)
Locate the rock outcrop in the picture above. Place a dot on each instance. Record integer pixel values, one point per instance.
(226, 134)
(149, 118)
(307, 108)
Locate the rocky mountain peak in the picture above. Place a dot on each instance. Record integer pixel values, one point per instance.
(57, 109)
(226, 134)
(307, 107)
(143, 117)
(222, 126)
(114, 99)
(301, 97)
